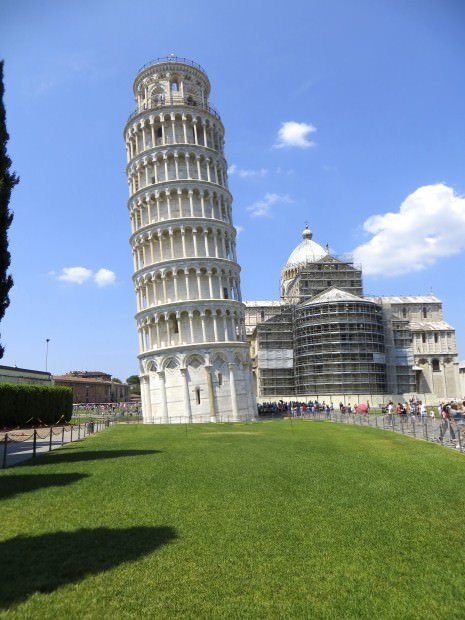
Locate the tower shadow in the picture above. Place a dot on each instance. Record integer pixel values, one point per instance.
(47, 562)
(75, 456)
(23, 483)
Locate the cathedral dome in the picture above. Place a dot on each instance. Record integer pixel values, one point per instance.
(308, 251)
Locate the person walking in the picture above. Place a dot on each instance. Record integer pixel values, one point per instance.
(446, 424)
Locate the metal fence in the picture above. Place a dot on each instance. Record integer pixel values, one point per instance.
(200, 419)
(449, 433)
(19, 445)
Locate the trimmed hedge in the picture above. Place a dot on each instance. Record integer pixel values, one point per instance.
(23, 404)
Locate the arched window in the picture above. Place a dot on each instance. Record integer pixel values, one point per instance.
(174, 86)
(425, 313)
(435, 365)
(220, 379)
(197, 395)
(174, 324)
(262, 315)
(404, 312)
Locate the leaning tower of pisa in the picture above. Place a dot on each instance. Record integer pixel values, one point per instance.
(193, 355)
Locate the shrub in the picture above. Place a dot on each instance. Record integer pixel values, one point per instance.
(22, 404)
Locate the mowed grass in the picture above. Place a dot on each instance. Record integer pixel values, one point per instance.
(270, 519)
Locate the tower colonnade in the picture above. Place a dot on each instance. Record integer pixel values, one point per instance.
(149, 131)
(193, 354)
(180, 165)
(173, 201)
(181, 283)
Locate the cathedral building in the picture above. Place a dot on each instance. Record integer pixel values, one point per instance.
(325, 338)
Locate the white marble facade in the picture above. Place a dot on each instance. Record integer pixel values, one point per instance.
(193, 355)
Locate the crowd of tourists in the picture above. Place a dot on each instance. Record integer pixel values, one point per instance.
(416, 407)
(107, 409)
(412, 407)
(447, 414)
(295, 408)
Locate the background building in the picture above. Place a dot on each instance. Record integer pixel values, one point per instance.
(94, 387)
(325, 338)
(194, 358)
(13, 374)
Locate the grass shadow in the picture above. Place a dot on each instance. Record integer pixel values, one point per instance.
(16, 484)
(47, 562)
(66, 456)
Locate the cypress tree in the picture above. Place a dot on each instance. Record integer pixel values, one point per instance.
(7, 181)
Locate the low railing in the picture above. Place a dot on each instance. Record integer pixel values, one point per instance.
(172, 58)
(449, 433)
(174, 102)
(33, 442)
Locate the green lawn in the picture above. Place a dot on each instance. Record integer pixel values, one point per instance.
(250, 520)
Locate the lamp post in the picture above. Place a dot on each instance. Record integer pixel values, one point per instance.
(47, 340)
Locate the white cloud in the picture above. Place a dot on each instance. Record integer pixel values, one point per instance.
(79, 275)
(295, 134)
(429, 225)
(261, 208)
(245, 174)
(239, 229)
(104, 277)
(75, 275)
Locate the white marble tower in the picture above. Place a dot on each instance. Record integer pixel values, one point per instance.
(193, 355)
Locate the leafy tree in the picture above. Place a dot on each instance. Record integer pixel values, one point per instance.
(134, 384)
(7, 181)
(116, 380)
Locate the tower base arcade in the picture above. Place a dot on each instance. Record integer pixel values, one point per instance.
(192, 384)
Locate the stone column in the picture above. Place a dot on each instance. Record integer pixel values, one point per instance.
(203, 316)
(164, 403)
(211, 393)
(155, 171)
(191, 327)
(232, 387)
(145, 397)
(191, 203)
(183, 241)
(184, 129)
(187, 400)
(202, 203)
(175, 284)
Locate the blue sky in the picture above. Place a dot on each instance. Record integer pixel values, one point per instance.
(376, 87)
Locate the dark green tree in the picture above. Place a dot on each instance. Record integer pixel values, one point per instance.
(7, 181)
(134, 384)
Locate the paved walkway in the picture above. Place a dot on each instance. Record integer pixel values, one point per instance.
(21, 446)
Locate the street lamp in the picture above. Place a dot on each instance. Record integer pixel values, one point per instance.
(47, 340)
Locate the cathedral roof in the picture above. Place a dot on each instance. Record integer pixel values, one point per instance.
(334, 294)
(308, 251)
(406, 299)
(436, 326)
